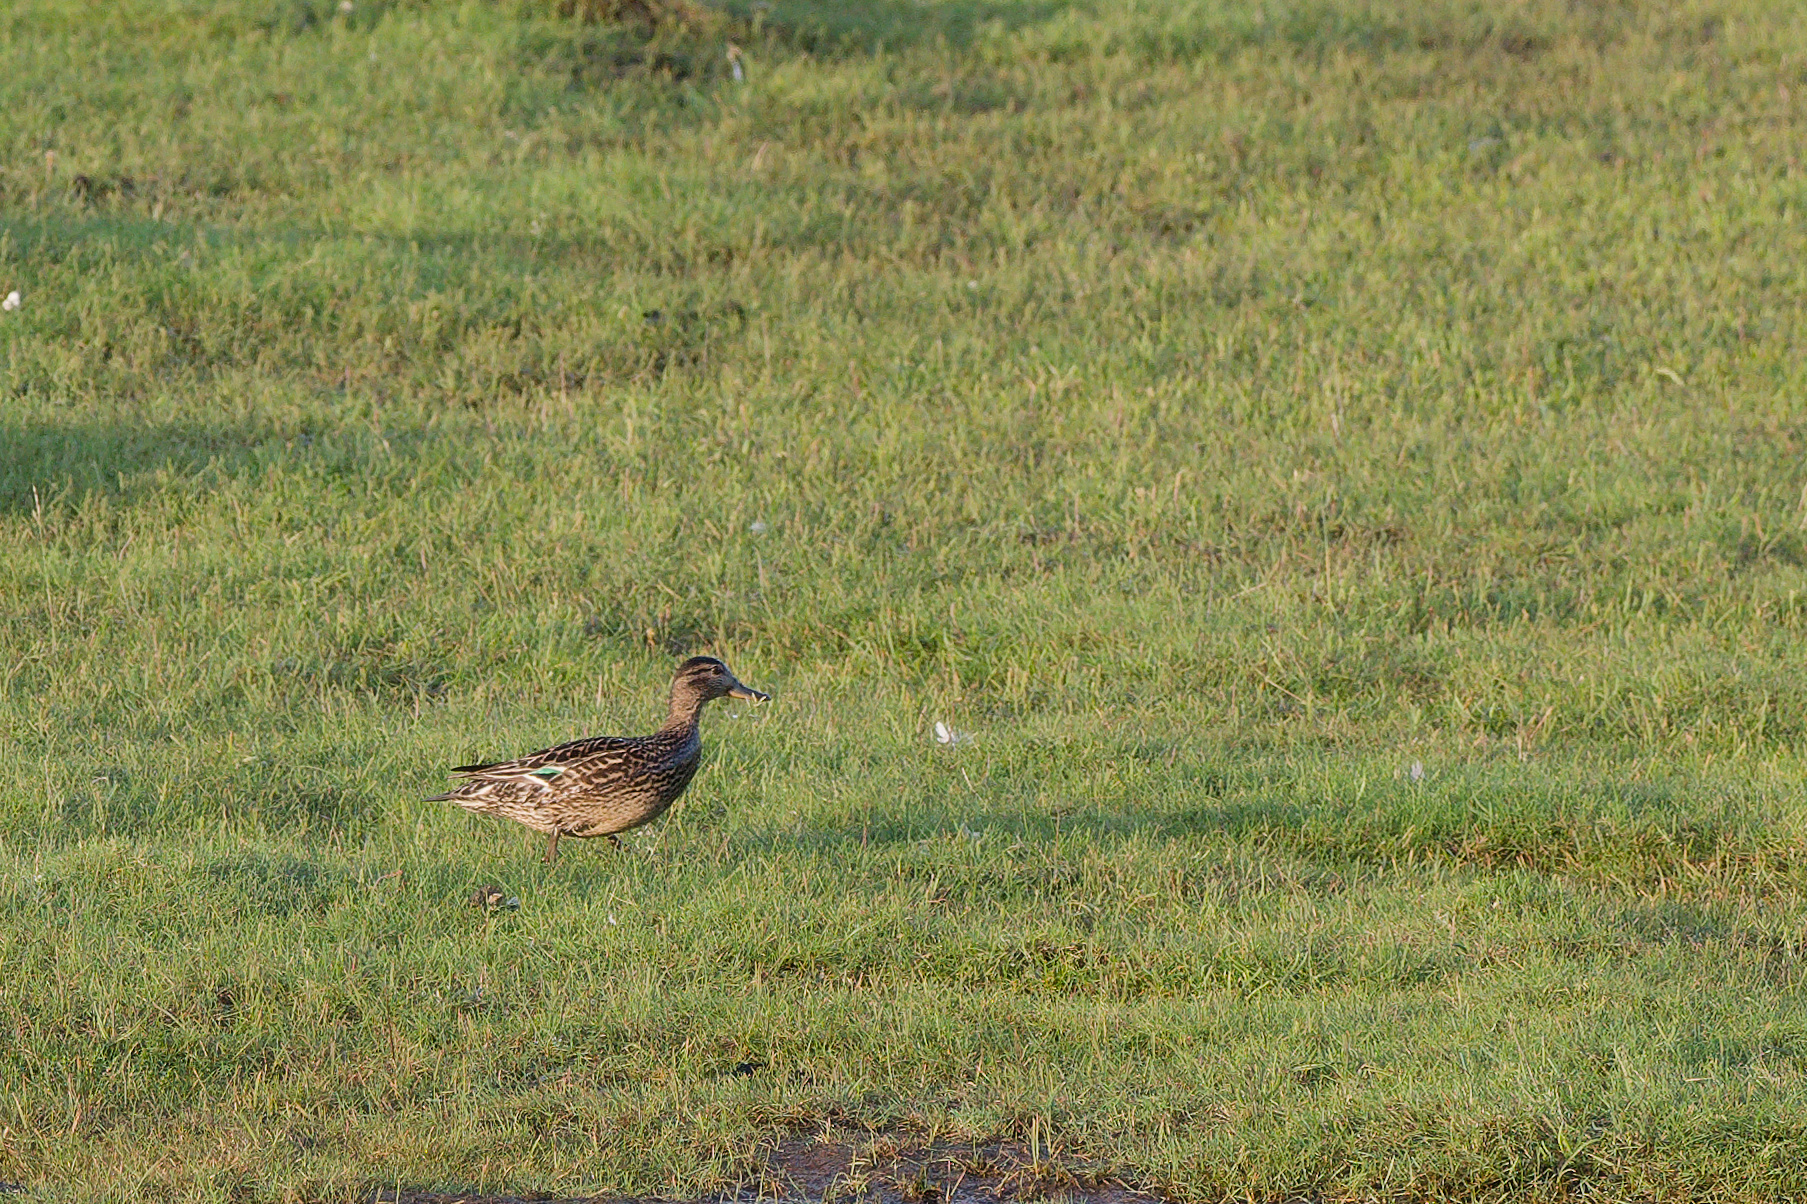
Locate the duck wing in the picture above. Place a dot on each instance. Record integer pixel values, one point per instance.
(592, 761)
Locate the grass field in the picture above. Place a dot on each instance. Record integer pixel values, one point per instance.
(1340, 465)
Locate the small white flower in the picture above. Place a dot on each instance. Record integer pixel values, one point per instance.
(345, 6)
(1417, 771)
(612, 917)
(13, 301)
(758, 527)
(972, 284)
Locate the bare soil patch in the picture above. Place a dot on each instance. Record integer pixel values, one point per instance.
(878, 1171)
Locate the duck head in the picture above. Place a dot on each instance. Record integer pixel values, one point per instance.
(702, 678)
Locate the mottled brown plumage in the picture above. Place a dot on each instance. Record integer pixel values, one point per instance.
(604, 784)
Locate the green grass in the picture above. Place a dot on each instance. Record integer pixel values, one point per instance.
(1214, 410)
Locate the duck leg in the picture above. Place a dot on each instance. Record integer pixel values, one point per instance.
(616, 841)
(551, 848)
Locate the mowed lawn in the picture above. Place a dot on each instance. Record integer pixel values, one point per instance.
(1337, 470)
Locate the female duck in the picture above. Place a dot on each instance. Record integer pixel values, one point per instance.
(604, 784)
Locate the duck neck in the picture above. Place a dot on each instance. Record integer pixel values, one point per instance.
(685, 712)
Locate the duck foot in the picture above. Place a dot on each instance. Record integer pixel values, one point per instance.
(551, 849)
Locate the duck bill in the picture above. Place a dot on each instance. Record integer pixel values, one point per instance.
(748, 693)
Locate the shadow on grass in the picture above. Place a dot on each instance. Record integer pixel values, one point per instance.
(42, 464)
(46, 464)
(1490, 818)
(825, 27)
(1459, 27)
(118, 803)
(277, 884)
(174, 330)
